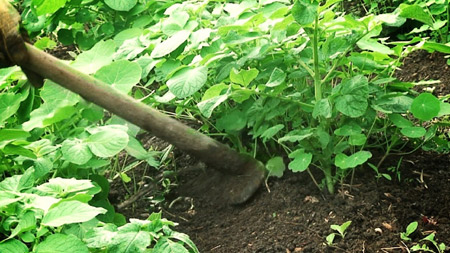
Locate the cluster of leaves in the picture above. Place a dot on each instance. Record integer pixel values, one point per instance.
(410, 229)
(60, 216)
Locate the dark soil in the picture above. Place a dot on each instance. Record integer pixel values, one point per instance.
(296, 217)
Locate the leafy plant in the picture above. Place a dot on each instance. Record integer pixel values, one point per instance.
(411, 228)
(424, 248)
(340, 229)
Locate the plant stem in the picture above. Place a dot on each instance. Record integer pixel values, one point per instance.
(317, 81)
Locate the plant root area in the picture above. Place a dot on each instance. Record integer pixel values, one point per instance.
(292, 215)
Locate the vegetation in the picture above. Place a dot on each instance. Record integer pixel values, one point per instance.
(303, 82)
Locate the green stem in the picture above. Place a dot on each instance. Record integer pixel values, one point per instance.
(317, 81)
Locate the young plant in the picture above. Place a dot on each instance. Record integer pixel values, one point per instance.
(440, 248)
(411, 228)
(341, 231)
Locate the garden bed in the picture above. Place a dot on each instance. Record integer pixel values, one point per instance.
(296, 217)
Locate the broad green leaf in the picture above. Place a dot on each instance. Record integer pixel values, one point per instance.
(130, 238)
(344, 162)
(166, 245)
(296, 135)
(11, 149)
(135, 149)
(27, 222)
(76, 151)
(276, 166)
(206, 107)
(413, 132)
(357, 139)
(375, 46)
(322, 108)
(214, 91)
(415, 12)
(393, 103)
(411, 227)
(305, 11)
(121, 75)
(425, 106)
(169, 45)
(121, 5)
(185, 239)
(232, 121)
(353, 94)
(47, 6)
(57, 95)
(62, 187)
(301, 160)
(187, 81)
(348, 129)
(9, 104)
(243, 77)
(101, 237)
(276, 78)
(13, 246)
(108, 142)
(127, 34)
(399, 121)
(271, 132)
(445, 110)
(46, 115)
(323, 137)
(13, 134)
(98, 56)
(61, 243)
(70, 212)
(7, 198)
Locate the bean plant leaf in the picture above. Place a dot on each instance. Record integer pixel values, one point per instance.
(271, 132)
(276, 166)
(413, 132)
(357, 139)
(415, 12)
(296, 135)
(13, 246)
(121, 75)
(399, 121)
(276, 78)
(48, 114)
(60, 243)
(445, 110)
(166, 245)
(322, 108)
(61, 187)
(243, 77)
(27, 221)
(108, 142)
(206, 107)
(187, 81)
(47, 6)
(305, 11)
(301, 160)
(64, 213)
(425, 106)
(352, 98)
(76, 151)
(121, 5)
(169, 45)
(98, 56)
(232, 122)
(344, 162)
(10, 103)
(348, 129)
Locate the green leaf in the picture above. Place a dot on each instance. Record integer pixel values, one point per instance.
(243, 77)
(322, 108)
(348, 130)
(187, 81)
(9, 104)
(48, 114)
(276, 166)
(168, 246)
(411, 228)
(121, 75)
(107, 142)
(61, 243)
(399, 121)
(169, 45)
(301, 160)
(305, 11)
(121, 5)
(413, 132)
(98, 56)
(344, 162)
(330, 238)
(272, 131)
(13, 246)
(27, 222)
(70, 212)
(232, 121)
(62, 187)
(374, 45)
(445, 110)
(415, 12)
(206, 107)
(296, 135)
(353, 94)
(76, 151)
(425, 106)
(131, 238)
(13, 134)
(47, 6)
(357, 139)
(276, 78)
